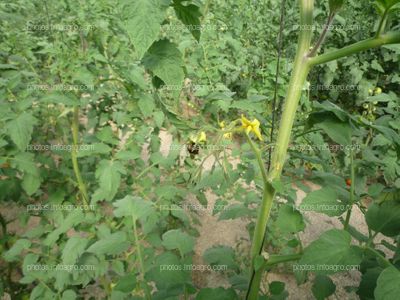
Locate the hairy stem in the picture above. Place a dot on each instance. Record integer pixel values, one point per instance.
(382, 24)
(385, 39)
(322, 37)
(298, 77)
(352, 177)
(74, 156)
(140, 259)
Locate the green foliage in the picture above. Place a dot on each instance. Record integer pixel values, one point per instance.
(141, 72)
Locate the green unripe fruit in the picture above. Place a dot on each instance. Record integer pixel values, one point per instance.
(335, 5)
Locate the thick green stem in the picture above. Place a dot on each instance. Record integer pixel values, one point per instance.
(352, 178)
(74, 156)
(298, 78)
(382, 24)
(140, 259)
(385, 39)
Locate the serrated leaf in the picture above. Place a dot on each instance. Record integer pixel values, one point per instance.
(177, 239)
(221, 256)
(323, 201)
(20, 130)
(144, 23)
(165, 61)
(30, 183)
(289, 219)
(146, 105)
(60, 98)
(339, 132)
(73, 218)
(190, 15)
(134, 207)
(14, 252)
(234, 211)
(110, 245)
(168, 271)
(74, 248)
(332, 252)
(108, 174)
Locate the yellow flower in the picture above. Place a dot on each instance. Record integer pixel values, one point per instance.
(202, 137)
(251, 126)
(378, 91)
(222, 124)
(227, 135)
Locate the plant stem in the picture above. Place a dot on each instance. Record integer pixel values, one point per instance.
(74, 156)
(277, 259)
(140, 259)
(352, 177)
(385, 39)
(382, 24)
(298, 77)
(380, 256)
(322, 37)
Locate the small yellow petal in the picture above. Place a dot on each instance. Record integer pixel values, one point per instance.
(202, 137)
(227, 136)
(258, 134)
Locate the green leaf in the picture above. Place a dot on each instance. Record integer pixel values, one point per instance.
(126, 283)
(13, 254)
(384, 218)
(108, 174)
(233, 212)
(20, 130)
(323, 201)
(388, 284)
(177, 239)
(339, 132)
(387, 5)
(289, 219)
(94, 149)
(368, 283)
(159, 118)
(69, 295)
(277, 288)
(332, 252)
(73, 249)
(217, 294)
(323, 287)
(144, 23)
(30, 183)
(73, 218)
(190, 15)
(335, 5)
(167, 271)
(133, 206)
(165, 61)
(146, 105)
(112, 245)
(60, 98)
(25, 162)
(221, 256)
